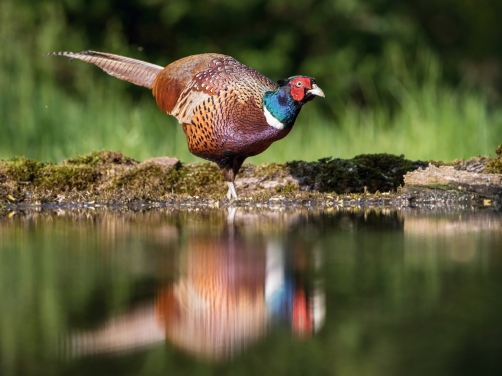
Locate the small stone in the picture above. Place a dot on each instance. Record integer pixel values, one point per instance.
(163, 161)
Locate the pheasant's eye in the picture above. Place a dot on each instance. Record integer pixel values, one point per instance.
(299, 84)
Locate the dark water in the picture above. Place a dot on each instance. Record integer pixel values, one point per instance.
(349, 291)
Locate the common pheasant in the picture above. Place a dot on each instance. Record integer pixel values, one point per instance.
(228, 110)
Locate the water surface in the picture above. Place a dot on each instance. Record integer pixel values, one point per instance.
(345, 291)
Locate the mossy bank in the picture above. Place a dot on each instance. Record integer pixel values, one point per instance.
(110, 178)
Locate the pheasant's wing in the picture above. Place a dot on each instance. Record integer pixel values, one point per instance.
(135, 71)
(187, 83)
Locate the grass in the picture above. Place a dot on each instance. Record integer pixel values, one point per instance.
(53, 110)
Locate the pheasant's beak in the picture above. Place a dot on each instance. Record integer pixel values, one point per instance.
(316, 90)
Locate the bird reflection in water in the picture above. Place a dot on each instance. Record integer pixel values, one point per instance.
(230, 292)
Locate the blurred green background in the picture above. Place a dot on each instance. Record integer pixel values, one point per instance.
(414, 77)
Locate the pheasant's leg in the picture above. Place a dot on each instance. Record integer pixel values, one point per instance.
(229, 168)
(231, 190)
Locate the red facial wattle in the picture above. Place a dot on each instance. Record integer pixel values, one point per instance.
(298, 87)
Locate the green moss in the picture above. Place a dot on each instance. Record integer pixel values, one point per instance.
(269, 170)
(286, 189)
(102, 158)
(457, 162)
(201, 179)
(65, 178)
(154, 181)
(367, 172)
(21, 169)
(147, 181)
(383, 172)
(494, 166)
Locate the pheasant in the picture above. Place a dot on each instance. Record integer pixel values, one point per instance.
(228, 110)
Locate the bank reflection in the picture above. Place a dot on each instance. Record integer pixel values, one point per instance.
(230, 291)
(450, 237)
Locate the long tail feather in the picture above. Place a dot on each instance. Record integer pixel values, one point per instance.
(135, 71)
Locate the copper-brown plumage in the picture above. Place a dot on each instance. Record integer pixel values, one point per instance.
(218, 101)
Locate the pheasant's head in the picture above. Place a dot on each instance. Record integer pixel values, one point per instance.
(281, 107)
(302, 88)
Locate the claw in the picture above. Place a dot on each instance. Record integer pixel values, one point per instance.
(231, 190)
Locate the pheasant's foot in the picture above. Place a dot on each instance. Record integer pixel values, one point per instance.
(231, 190)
